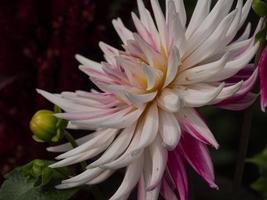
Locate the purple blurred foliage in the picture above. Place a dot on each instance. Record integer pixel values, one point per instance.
(38, 42)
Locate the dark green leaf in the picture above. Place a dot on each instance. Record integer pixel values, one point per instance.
(261, 184)
(20, 185)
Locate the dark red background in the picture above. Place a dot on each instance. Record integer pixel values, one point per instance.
(38, 41)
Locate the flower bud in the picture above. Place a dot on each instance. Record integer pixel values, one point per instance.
(45, 126)
(38, 171)
(260, 7)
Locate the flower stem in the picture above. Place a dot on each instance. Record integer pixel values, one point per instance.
(73, 143)
(245, 135)
(243, 146)
(93, 189)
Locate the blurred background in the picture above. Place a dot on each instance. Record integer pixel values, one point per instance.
(38, 41)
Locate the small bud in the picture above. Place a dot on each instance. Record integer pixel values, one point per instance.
(39, 171)
(260, 7)
(45, 126)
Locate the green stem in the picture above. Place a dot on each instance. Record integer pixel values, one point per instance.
(93, 189)
(244, 141)
(71, 140)
(73, 143)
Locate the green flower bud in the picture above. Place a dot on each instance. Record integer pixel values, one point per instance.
(45, 126)
(260, 7)
(38, 171)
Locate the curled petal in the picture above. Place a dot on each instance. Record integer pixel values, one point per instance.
(198, 157)
(263, 79)
(132, 175)
(166, 191)
(169, 129)
(169, 100)
(159, 156)
(192, 123)
(178, 173)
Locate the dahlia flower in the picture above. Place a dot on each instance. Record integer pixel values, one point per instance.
(263, 79)
(145, 118)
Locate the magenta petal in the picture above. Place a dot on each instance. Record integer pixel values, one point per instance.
(263, 79)
(178, 173)
(242, 75)
(243, 98)
(192, 123)
(238, 105)
(166, 191)
(198, 157)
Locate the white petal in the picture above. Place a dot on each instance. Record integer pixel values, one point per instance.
(175, 31)
(132, 175)
(207, 27)
(65, 104)
(140, 99)
(212, 45)
(119, 120)
(169, 100)
(116, 148)
(159, 160)
(110, 52)
(201, 73)
(101, 177)
(122, 31)
(169, 129)
(150, 128)
(200, 94)
(201, 11)
(227, 92)
(189, 118)
(245, 12)
(173, 64)
(153, 58)
(160, 21)
(153, 30)
(80, 179)
(142, 12)
(97, 141)
(68, 146)
(88, 63)
(153, 76)
(245, 35)
(234, 66)
(180, 8)
(233, 29)
(142, 30)
(127, 157)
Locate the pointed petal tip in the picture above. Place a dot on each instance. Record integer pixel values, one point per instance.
(263, 106)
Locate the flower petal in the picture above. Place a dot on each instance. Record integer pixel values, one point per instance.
(166, 191)
(192, 123)
(169, 100)
(159, 156)
(199, 94)
(98, 140)
(169, 129)
(150, 128)
(201, 11)
(101, 177)
(263, 79)
(173, 65)
(122, 31)
(201, 73)
(132, 175)
(116, 148)
(198, 157)
(178, 173)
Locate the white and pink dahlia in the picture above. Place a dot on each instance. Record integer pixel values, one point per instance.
(145, 116)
